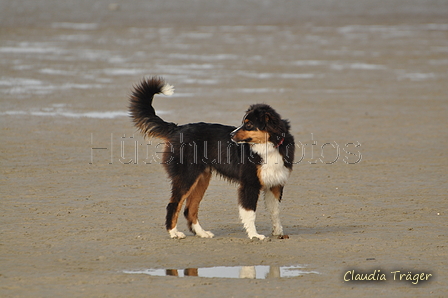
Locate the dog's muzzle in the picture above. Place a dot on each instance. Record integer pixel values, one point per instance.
(232, 136)
(233, 133)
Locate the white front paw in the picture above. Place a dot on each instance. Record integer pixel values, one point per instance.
(258, 236)
(277, 231)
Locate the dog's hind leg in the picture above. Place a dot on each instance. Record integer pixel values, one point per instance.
(272, 198)
(192, 205)
(180, 191)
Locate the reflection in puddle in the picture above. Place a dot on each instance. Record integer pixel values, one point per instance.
(254, 272)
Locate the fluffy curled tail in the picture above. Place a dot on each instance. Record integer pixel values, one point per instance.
(142, 112)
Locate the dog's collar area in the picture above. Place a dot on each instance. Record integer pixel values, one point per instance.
(279, 143)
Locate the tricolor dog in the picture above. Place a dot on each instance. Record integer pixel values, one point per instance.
(258, 155)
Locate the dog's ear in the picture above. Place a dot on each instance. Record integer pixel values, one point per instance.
(267, 117)
(274, 123)
(270, 120)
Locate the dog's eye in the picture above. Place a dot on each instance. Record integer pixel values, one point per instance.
(248, 126)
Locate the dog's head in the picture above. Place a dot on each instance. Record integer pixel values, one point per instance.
(261, 124)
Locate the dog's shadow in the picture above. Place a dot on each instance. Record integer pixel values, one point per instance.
(235, 230)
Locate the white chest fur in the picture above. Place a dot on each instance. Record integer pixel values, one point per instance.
(272, 171)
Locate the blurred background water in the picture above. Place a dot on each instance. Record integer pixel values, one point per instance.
(80, 58)
(216, 12)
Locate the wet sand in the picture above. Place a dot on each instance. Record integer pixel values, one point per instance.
(363, 87)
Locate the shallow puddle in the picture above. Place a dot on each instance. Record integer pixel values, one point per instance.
(254, 272)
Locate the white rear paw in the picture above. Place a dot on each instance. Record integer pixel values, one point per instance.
(199, 231)
(175, 234)
(205, 234)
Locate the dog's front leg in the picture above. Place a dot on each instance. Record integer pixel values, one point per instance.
(248, 220)
(272, 198)
(248, 197)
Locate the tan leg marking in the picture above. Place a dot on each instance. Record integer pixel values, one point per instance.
(195, 197)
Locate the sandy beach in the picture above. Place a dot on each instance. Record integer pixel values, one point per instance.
(83, 195)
